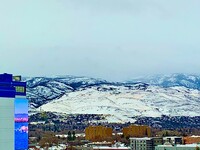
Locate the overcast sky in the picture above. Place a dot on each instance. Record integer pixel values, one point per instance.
(109, 39)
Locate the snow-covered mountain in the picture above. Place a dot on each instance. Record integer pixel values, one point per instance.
(189, 81)
(119, 102)
(41, 90)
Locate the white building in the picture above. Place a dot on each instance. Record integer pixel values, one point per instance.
(7, 123)
(174, 140)
(177, 147)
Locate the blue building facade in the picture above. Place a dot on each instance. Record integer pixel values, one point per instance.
(13, 113)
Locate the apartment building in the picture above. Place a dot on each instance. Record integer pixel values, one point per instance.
(98, 133)
(141, 143)
(137, 131)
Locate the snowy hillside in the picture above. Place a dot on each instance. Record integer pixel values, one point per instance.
(121, 103)
(174, 95)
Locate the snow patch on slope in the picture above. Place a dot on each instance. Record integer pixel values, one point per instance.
(122, 104)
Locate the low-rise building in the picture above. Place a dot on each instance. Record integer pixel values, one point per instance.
(141, 143)
(100, 144)
(111, 148)
(191, 139)
(157, 141)
(177, 147)
(174, 140)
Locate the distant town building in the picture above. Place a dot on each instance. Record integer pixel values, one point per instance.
(98, 133)
(100, 144)
(137, 131)
(141, 143)
(191, 139)
(111, 148)
(178, 147)
(157, 141)
(174, 140)
(151, 143)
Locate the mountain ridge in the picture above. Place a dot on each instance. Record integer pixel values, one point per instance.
(120, 101)
(176, 79)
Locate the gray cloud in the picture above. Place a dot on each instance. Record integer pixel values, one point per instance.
(111, 39)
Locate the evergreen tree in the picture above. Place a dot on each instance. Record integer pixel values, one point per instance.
(73, 135)
(69, 137)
